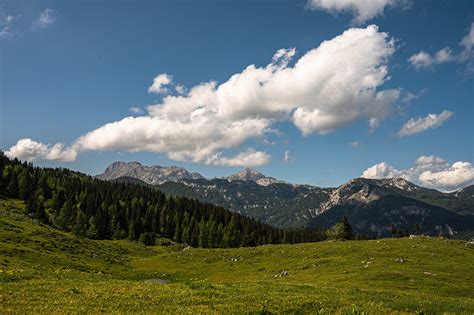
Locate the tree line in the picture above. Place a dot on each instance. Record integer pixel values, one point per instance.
(95, 209)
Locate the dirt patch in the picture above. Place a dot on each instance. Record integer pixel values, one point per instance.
(158, 280)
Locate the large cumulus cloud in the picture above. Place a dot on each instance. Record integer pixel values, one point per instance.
(327, 88)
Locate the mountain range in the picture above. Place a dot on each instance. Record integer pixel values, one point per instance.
(371, 205)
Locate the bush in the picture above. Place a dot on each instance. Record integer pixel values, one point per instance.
(147, 239)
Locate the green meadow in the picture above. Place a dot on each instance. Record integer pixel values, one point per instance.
(43, 270)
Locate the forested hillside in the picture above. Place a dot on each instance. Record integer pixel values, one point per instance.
(96, 209)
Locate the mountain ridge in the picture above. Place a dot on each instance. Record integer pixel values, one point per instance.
(283, 204)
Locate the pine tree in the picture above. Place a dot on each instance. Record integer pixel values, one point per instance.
(12, 188)
(203, 233)
(24, 184)
(64, 218)
(40, 212)
(348, 234)
(92, 230)
(212, 241)
(178, 229)
(80, 227)
(417, 229)
(220, 236)
(131, 232)
(393, 230)
(231, 235)
(185, 235)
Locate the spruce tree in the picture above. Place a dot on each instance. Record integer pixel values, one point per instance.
(24, 184)
(80, 226)
(212, 240)
(92, 230)
(203, 238)
(347, 229)
(178, 228)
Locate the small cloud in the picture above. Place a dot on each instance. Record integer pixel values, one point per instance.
(410, 96)
(424, 60)
(159, 84)
(283, 56)
(287, 156)
(46, 18)
(355, 144)
(6, 22)
(362, 10)
(432, 121)
(180, 89)
(136, 110)
(374, 123)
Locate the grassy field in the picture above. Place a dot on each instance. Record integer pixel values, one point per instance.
(43, 270)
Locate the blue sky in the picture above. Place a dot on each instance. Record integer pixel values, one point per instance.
(70, 67)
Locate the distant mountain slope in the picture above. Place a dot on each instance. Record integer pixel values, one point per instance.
(130, 180)
(371, 204)
(277, 204)
(376, 217)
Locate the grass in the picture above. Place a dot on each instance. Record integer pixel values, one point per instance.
(43, 270)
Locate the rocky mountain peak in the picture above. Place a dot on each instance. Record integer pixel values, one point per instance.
(153, 175)
(250, 174)
(246, 175)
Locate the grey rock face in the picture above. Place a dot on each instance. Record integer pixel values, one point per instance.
(153, 175)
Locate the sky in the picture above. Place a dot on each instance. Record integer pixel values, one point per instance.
(308, 91)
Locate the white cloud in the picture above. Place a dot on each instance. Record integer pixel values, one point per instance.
(374, 123)
(195, 138)
(444, 55)
(432, 121)
(159, 84)
(329, 87)
(362, 10)
(428, 171)
(424, 60)
(136, 110)
(467, 54)
(412, 96)
(421, 60)
(468, 42)
(355, 144)
(29, 150)
(380, 170)
(6, 22)
(249, 158)
(46, 18)
(286, 156)
(180, 89)
(283, 56)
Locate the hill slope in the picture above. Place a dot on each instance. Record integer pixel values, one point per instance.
(97, 209)
(43, 270)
